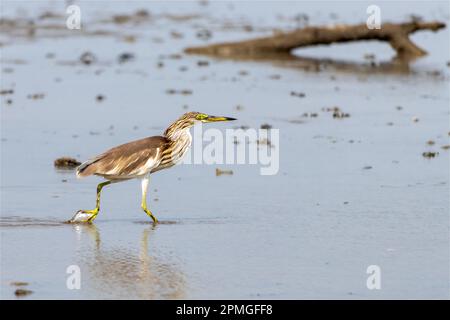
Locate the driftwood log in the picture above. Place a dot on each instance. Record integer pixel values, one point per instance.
(396, 34)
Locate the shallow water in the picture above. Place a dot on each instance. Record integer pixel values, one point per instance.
(350, 192)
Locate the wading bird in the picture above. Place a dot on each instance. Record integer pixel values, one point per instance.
(140, 158)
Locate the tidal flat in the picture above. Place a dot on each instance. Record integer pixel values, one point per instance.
(356, 186)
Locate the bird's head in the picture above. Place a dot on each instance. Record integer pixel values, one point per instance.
(196, 117)
(189, 119)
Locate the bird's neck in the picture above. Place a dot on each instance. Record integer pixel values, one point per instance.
(178, 129)
(176, 135)
(180, 140)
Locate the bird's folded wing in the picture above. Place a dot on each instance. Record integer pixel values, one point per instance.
(127, 160)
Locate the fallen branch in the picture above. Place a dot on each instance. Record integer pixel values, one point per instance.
(396, 34)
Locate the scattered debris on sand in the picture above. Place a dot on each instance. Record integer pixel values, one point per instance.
(223, 172)
(125, 57)
(243, 127)
(369, 56)
(176, 35)
(264, 142)
(66, 163)
(434, 73)
(184, 92)
(310, 115)
(275, 77)
(129, 39)
(88, 58)
(298, 94)
(173, 56)
(337, 112)
(266, 126)
(19, 283)
(36, 96)
(22, 292)
(296, 121)
(204, 34)
(50, 15)
(340, 115)
(415, 119)
(202, 63)
(6, 91)
(430, 154)
(137, 17)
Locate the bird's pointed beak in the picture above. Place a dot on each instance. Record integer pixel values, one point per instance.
(217, 119)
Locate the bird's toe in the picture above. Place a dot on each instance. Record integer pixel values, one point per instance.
(81, 216)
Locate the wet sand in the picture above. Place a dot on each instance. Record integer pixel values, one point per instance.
(351, 191)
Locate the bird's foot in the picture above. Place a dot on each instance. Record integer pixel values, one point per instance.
(84, 216)
(155, 221)
(150, 214)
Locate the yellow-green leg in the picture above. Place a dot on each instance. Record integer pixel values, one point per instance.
(95, 211)
(145, 181)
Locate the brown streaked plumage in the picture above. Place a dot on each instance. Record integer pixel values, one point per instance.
(140, 158)
(125, 161)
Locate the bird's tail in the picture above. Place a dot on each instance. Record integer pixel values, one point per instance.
(83, 169)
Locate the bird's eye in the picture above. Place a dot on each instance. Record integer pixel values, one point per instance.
(202, 116)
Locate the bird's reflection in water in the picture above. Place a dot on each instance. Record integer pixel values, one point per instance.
(126, 273)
